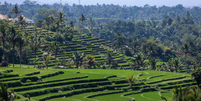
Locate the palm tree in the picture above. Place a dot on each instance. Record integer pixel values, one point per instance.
(16, 10)
(151, 49)
(82, 18)
(185, 49)
(119, 40)
(3, 93)
(46, 60)
(139, 61)
(54, 48)
(71, 24)
(195, 93)
(186, 94)
(48, 21)
(13, 38)
(109, 56)
(21, 22)
(131, 79)
(152, 63)
(21, 43)
(61, 19)
(134, 43)
(35, 43)
(77, 58)
(169, 64)
(89, 60)
(3, 37)
(176, 63)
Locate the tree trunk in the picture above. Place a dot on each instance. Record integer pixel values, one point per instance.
(13, 53)
(20, 54)
(185, 63)
(3, 51)
(35, 58)
(55, 59)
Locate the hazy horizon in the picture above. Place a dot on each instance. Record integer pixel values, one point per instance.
(186, 3)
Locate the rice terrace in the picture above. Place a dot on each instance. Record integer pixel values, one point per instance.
(101, 52)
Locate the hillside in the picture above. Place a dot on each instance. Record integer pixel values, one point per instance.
(81, 43)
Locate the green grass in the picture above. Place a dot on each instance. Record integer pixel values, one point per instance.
(92, 74)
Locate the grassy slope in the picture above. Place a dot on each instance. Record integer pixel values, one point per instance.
(93, 74)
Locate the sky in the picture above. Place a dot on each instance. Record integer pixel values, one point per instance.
(186, 3)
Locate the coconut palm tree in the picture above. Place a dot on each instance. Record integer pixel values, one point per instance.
(55, 49)
(3, 93)
(139, 61)
(185, 49)
(151, 50)
(61, 18)
(48, 21)
(186, 94)
(77, 58)
(134, 43)
(109, 56)
(13, 38)
(132, 79)
(119, 41)
(176, 63)
(46, 60)
(16, 10)
(82, 18)
(71, 24)
(89, 60)
(21, 22)
(3, 37)
(21, 44)
(35, 43)
(152, 63)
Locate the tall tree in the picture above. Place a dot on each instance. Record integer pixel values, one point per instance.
(48, 21)
(21, 44)
(119, 41)
(89, 60)
(35, 43)
(185, 49)
(152, 63)
(3, 38)
(13, 38)
(46, 60)
(109, 56)
(140, 61)
(151, 50)
(61, 19)
(77, 58)
(55, 49)
(16, 10)
(21, 22)
(82, 18)
(176, 63)
(197, 76)
(3, 93)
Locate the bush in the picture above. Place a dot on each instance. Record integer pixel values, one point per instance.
(32, 73)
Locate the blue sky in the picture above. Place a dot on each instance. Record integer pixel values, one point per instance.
(120, 2)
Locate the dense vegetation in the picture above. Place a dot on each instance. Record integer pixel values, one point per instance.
(59, 39)
(36, 11)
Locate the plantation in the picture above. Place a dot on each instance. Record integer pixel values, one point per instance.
(58, 58)
(90, 84)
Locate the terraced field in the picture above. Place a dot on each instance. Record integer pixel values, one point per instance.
(90, 84)
(82, 43)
